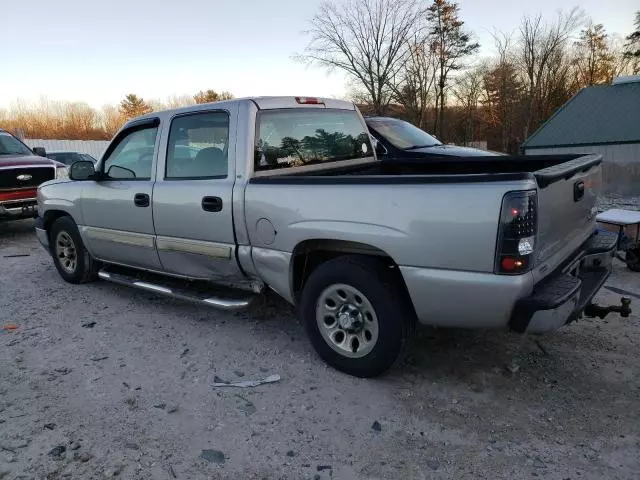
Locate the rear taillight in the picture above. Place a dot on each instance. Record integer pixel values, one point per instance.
(517, 233)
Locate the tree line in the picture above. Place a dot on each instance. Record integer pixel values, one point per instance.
(79, 121)
(417, 60)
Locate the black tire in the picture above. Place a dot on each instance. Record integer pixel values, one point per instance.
(383, 290)
(632, 257)
(85, 268)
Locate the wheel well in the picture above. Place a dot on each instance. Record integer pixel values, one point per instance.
(51, 216)
(310, 254)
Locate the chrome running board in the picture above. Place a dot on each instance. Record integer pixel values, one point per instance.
(240, 303)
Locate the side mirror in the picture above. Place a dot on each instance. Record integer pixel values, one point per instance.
(116, 171)
(82, 170)
(380, 149)
(40, 151)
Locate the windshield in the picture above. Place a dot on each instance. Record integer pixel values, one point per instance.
(401, 134)
(9, 145)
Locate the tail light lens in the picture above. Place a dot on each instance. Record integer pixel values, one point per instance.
(517, 233)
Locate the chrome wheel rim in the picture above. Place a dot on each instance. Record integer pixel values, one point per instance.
(347, 320)
(66, 252)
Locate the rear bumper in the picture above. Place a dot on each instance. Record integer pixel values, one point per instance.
(563, 297)
(449, 298)
(17, 209)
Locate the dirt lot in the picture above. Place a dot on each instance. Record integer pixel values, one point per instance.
(131, 397)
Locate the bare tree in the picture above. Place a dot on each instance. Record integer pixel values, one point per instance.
(538, 43)
(367, 39)
(111, 120)
(414, 86)
(503, 91)
(452, 44)
(467, 91)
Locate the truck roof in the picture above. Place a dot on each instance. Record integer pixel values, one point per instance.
(263, 103)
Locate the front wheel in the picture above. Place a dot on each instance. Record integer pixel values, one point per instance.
(357, 314)
(71, 258)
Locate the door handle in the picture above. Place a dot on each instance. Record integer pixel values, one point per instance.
(211, 204)
(141, 200)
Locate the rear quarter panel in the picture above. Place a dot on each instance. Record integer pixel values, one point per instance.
(439, 225)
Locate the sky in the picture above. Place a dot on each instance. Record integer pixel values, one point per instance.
(97, 52)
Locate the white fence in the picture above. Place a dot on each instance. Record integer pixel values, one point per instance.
(95, 148)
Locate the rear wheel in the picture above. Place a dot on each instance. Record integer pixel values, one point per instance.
(357, 315)
(71, 258)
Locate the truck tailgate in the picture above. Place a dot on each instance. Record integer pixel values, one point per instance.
(567, 196)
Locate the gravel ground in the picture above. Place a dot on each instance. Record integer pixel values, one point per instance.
(102, 381)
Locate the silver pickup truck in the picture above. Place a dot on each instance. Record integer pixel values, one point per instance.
(215, 203)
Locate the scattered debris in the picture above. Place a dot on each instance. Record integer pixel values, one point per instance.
(98, 358)
(246, 383)
(161, 405)
(320, 468)
(88, 324)
(238, 373)
(454, 401)
(172, 408)
(62, 370)
(7, 448)
(513, 367)
(184, 352)
(376, 426)
(247, 406)
(217, 379)
(171, 472)
(74, 445)
(57, 453)
(433, 464)
(49, 426)
(541, 347)
(132, 446)
(213, 456)
(291, 453)
(115, 471)
(83, 457)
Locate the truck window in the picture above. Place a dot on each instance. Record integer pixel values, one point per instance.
(299, 137)
(132, 158)
(197, 146)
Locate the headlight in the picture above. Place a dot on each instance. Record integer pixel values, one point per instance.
(62, 173)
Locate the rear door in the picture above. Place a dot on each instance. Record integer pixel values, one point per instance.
(118, 220)
(567, 199)
(192, 198)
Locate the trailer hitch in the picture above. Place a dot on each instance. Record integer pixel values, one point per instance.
(624, 309)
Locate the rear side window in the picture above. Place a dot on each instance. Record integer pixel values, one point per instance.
(198, 146)
(301, 137)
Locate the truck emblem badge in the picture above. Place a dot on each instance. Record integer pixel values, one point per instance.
(24, 177)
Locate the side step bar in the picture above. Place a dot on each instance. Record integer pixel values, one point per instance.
(229, 304)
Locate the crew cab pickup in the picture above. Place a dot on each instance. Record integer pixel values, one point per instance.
(217, 202)
(21, 171)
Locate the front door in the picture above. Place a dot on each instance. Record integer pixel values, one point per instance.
(117, 212)
(192, 197)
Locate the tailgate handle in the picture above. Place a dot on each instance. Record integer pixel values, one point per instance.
(578, 191)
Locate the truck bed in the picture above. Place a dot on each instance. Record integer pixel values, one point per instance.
(545, 169)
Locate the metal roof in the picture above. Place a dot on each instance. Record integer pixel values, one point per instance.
(598, 115)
